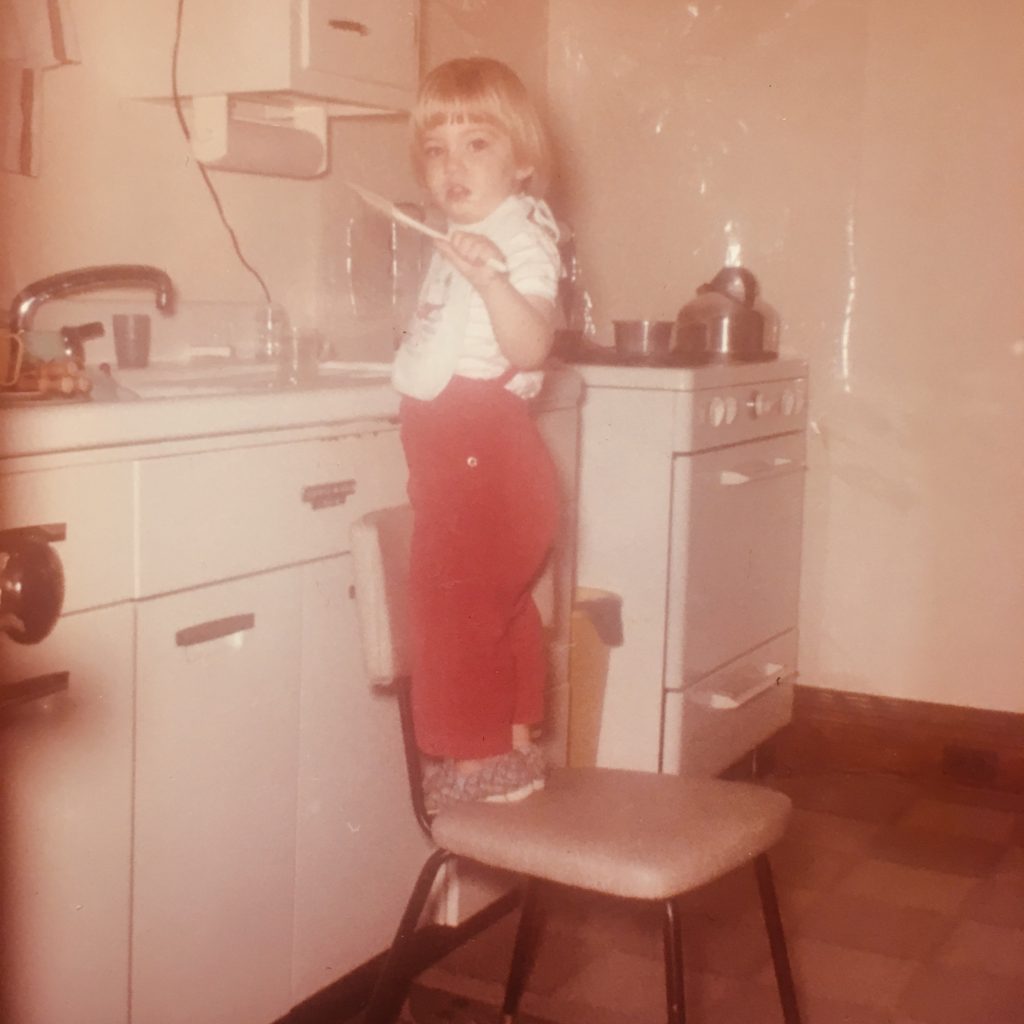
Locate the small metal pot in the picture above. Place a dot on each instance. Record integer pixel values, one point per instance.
(645, 339)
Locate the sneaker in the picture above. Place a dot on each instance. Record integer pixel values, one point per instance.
(534, 758)
(504, 779)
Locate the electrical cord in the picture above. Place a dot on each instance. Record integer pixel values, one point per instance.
(202, 170)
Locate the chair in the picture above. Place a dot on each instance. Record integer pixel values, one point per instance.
(632, 834)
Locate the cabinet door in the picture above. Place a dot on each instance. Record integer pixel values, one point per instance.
(362, 39)
(358, 847)
(216, 714)
(65, 804)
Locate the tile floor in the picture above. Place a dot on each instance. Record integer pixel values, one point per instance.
(903, 904)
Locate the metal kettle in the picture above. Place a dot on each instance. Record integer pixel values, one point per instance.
(725, 322)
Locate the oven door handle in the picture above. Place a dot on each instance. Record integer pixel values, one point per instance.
(774, 675)
(756, 472)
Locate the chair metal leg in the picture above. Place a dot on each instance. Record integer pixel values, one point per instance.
(392, 983)
(777, 940)
(524, 950)
(674, 990)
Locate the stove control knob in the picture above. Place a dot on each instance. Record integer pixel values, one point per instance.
(788, 403)
(731, 408)
(758, 405)
(716, 411)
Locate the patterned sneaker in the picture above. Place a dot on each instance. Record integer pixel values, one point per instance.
(503, 779)
(534, 758)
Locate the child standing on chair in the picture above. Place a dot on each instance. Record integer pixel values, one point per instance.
(481, 481)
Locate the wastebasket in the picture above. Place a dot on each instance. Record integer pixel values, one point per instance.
(596, 627)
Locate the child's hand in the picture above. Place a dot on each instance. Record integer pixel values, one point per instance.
(470, 254)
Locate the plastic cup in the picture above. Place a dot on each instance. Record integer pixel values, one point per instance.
(131, 340)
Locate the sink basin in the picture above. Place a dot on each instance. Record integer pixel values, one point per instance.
(196, 382)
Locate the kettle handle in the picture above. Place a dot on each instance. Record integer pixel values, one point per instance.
(724, 281)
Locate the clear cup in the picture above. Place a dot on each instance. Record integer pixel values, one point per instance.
(298, 358)
(131, 340)
(271, 328)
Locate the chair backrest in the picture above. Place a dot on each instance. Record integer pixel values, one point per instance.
(381, 545)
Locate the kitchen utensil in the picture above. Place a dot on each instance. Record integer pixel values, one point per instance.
(724, 322)
(131, 340)
(12, 348)
(389, 209)
(643, 338)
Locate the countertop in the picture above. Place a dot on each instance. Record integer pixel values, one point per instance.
(31, 427)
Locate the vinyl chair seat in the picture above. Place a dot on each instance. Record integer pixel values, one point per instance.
(670, 834)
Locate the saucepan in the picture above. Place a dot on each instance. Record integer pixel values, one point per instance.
(643, 338)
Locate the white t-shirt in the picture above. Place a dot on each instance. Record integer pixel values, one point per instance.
(450, 333)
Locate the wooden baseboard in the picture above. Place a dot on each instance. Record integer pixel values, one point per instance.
(833, 730)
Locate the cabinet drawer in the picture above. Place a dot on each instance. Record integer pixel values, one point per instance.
(369, 40)
(224, 514)
(731, 712)
(94, 504)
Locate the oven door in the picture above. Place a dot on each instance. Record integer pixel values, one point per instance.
(734, 553)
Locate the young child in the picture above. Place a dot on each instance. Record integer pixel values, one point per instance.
(481, 482)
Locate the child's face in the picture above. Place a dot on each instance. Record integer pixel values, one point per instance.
(469, 169)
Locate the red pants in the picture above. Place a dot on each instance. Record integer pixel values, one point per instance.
(485, 496)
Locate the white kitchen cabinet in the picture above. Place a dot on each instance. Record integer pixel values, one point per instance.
(215, 769)
(93, 502)
(296, 501)
(354, 56)
(65, 808)
(213, 823)
(358, 847)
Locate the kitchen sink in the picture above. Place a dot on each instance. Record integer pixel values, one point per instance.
(194, 382)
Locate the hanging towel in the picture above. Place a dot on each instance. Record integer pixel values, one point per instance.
(37, 35)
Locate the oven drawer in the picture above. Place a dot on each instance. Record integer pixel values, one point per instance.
(719, 719)
(224, 514)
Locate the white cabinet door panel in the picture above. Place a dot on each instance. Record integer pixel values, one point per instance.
(358, 847)
(217, 708)
(65, 805)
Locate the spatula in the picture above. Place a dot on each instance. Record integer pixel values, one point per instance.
(389, 209)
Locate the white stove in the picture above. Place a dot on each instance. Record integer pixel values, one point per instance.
(691, 499)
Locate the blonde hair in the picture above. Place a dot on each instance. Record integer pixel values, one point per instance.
(470, 89)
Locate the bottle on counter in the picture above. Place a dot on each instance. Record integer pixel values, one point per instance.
(271, 330)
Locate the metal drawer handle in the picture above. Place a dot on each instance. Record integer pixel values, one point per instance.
(33, 689)
(215, 629)
(762, 471)
(320, 496)
(47, 533)
(772, 675)
(345, 25)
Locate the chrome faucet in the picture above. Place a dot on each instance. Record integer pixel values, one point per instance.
(86, 279)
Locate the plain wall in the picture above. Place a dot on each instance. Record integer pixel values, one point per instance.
(118, 183)
(864, 159)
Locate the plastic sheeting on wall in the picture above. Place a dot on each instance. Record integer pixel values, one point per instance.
(862, 159)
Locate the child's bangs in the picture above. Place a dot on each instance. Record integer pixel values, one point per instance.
(441, 110)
